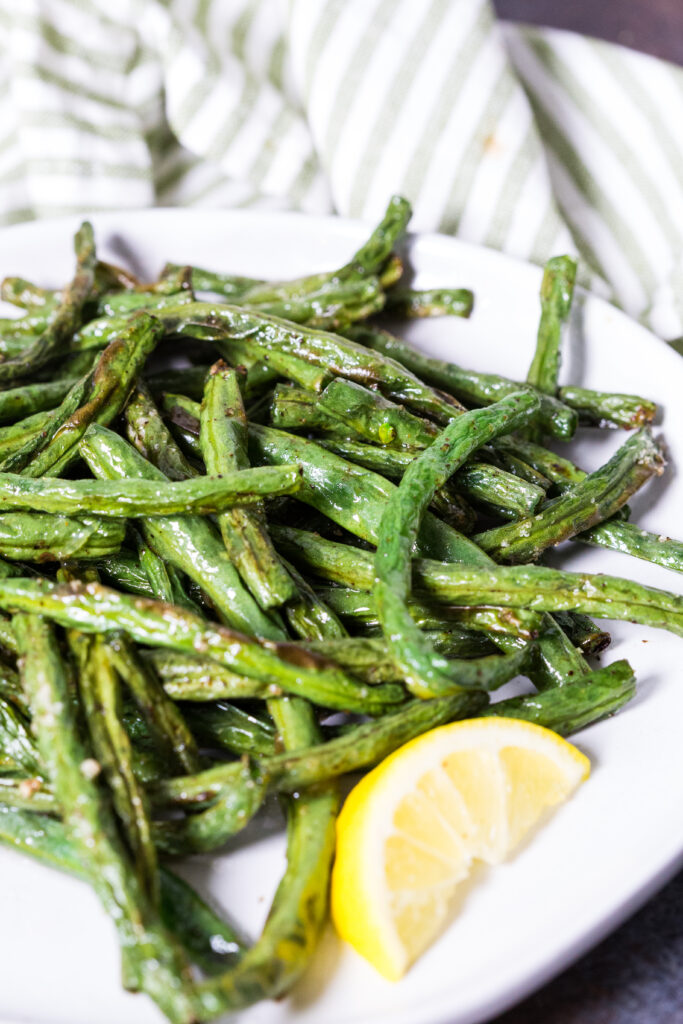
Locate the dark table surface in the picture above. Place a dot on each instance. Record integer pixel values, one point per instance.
(636, 975)
(653, 26)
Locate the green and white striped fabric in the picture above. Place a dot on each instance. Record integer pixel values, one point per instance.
(531, 141)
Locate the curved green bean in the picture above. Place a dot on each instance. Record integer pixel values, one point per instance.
(132, 498)
(427, 673)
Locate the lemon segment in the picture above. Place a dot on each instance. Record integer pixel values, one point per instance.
(411, 830)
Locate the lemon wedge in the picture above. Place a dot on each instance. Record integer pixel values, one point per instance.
(411, 830)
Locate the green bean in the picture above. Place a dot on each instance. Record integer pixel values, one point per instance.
(307, 615)
(616, 534)
(335, 356)
(354, 568)
(67, 318)
(249, 353)
(567, 709)
(10, 688)
(373, 255)
(18, 335)
(557, 289)
(27, 431)
(183, 410)
(560, 471)
(555, 660)
(155, 571)
(365, 745)
(225, 726)
(21, 292)
(188, 542)
(131, 499)
(200, 679)
(602, 407)
(583, 632)
(190, 381)
(257, 380)
(75, 364)
(149, 759)
(110, 275)
(100, 698)
(209, 828)
(427, 673)
(351, 496)
(294, 722)
(450, 506)
(299, 907)
(39, 537)
(552, 590)
(7, 639)
(125, 570)
(391, 271)
(595, 499)
(361, 747)
(223, 442)
(309, 357)
(20, 331)
(229, 285)
(188, 594)
(469, 386)
(632, 540)
(355, 501)
(517, 467)
(7, 569)
(352, 415)
(162, 716)
(502, 492)
(335, 305)
(23, 793)
(91, 607)
(148, 433)
(353, 411)
(368, 658)
(208, 940)
(320, 301)
(413, 303)
(371, 259)
(17, 403)
(391, 463)
(359, 608)
(321, 291)
(153, 961)
(16, 744)
(96, 398)
(125, 303)
(171, 280)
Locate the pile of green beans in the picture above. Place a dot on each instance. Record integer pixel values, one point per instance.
(271, 568)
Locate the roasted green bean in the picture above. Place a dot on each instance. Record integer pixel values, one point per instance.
(223, 441)
(427, 673)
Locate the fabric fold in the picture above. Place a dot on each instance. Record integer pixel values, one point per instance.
(531, 141)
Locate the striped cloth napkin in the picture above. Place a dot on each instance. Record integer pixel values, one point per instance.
(530, 141)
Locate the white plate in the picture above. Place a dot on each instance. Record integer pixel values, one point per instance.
(618, 840)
